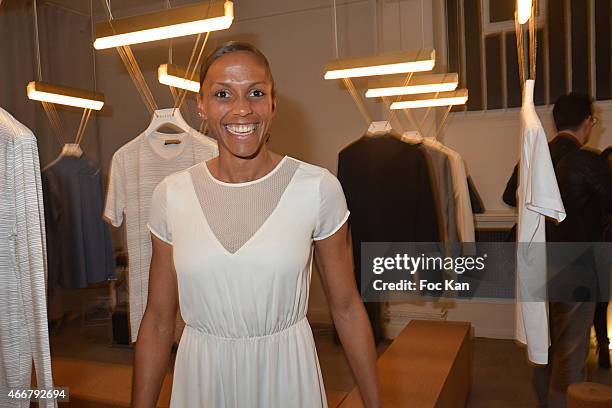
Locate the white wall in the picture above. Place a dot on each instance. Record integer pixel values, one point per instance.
(488, 141)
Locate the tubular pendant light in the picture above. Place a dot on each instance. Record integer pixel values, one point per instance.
(62, 95)
(161, 25)
(523, 10)
(418, 84)
(457, 97)
(386, 64)
(172, 75)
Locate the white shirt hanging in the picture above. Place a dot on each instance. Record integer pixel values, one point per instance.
(136, 169)
(463, 205)
(538, 197)
(463, 208)
(24, 335)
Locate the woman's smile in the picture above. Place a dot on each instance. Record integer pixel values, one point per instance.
(241, 130)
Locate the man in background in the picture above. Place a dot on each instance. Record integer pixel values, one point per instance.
(600, 323)
(586, 189)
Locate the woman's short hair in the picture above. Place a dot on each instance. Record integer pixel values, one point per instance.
(228, 48)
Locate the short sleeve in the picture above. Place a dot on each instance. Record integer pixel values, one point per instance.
(115, 195)
(333, 211)
(158, 219)
(542, 194)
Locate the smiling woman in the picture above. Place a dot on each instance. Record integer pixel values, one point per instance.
(237, 100)
(233, 240)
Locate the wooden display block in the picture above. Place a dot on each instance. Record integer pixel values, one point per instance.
(105, 385)
(428, 365)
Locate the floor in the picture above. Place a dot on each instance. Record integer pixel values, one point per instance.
(501, 375)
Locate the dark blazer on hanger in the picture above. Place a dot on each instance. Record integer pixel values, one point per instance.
(389, 192)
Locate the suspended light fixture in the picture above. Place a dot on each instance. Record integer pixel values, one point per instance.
(172, 75)
(386, 64)
(457, 97)
(418, 84)
(161, 25)
(45, 92)
(523, 10)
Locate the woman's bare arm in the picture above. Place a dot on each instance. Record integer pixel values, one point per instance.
(335, 263)
(156, 333)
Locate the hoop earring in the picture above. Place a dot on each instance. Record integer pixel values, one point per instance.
(268, 136)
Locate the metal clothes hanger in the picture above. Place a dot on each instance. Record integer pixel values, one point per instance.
(71, 149)
(412, 137)
(380, 127)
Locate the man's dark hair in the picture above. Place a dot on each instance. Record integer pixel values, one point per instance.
(228, 48)
(607, 152)
(571, 110)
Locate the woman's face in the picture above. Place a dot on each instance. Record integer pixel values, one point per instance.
(236, 101)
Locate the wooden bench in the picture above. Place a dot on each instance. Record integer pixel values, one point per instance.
(428, 365)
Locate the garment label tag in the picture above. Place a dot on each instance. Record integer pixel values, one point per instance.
(172, 142)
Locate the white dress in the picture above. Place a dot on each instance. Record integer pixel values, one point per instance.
(243, 256)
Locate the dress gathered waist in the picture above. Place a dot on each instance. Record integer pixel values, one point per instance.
(282, 332)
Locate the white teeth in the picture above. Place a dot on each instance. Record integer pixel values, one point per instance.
(240, 129)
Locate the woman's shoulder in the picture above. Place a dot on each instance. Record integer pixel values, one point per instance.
(320, 180)
(309, 169)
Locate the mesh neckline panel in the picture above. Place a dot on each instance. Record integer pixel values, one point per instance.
(235, 213)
